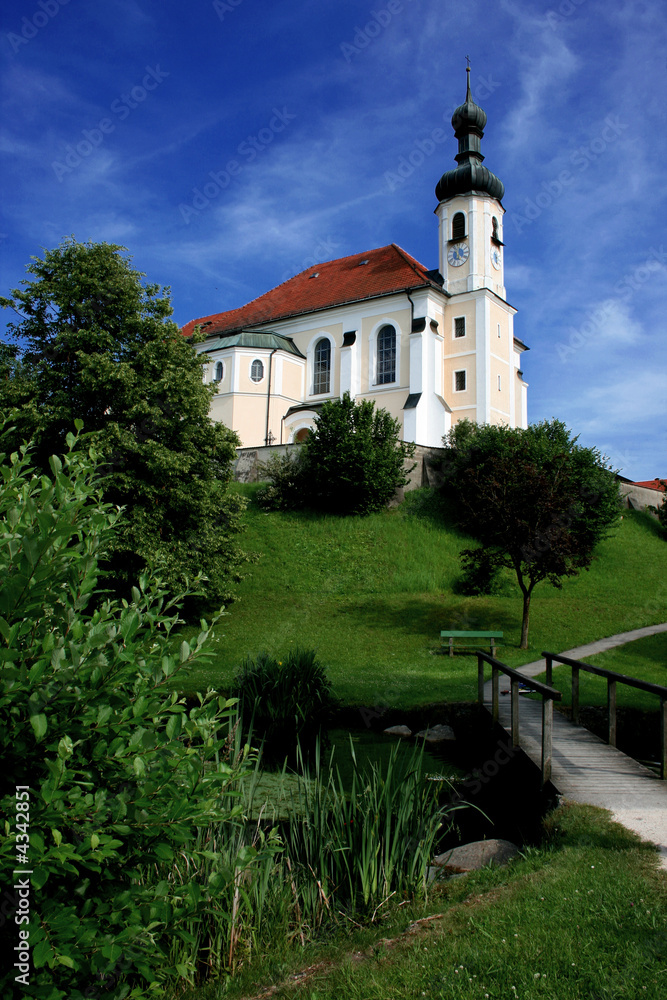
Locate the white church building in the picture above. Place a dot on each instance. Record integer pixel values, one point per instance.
(430, 346)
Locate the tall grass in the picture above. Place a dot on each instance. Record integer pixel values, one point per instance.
(315, 854)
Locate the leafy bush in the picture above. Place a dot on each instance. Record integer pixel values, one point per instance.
(286, 489)
(120, 775)
(286, 703)
(352, 463)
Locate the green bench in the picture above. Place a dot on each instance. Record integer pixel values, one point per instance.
(452, 634)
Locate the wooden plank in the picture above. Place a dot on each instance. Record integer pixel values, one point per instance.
(514, 686)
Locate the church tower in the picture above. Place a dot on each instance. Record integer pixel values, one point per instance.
(482, 363)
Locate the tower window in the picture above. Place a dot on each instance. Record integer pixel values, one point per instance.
(218, 372)
(386, 355)
(499, 329)
(322, 367)
(460, 326)
(494, 223)
(458, 226)
(257, 370)
(499, 385)
(460, 381)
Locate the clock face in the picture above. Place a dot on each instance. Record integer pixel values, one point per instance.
(496, 258)
(458, 254)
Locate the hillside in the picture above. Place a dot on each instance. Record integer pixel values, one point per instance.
(371, 595)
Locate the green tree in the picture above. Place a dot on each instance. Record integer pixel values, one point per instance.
(352, 463)
(98, 345)
(535, 500)
(117, 775)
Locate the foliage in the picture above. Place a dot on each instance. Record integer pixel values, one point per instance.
(284, 703)
(536, 501)
(661, 509)
(286, 488)
(121, 773)
(98, 345)
(352, 463)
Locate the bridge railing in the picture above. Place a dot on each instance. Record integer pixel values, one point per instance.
(613, 679)
(548, 693)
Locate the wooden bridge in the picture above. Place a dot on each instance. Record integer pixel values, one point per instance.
(580, 765)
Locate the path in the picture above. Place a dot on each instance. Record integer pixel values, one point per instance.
(584, 768)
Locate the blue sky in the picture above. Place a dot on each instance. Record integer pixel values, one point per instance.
(230, 144)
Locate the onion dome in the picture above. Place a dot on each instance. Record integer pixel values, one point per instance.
(468, 122)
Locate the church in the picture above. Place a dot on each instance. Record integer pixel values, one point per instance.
(430, 346)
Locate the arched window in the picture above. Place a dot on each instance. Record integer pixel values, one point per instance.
(386, 355)
(322, 367)
(218, 372)
(257, 370)
(494, 223)
(458, 226)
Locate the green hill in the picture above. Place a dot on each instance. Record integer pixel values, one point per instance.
(371, 595)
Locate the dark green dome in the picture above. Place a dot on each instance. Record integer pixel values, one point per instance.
(470, 176)
(468, 116)
(468, 122)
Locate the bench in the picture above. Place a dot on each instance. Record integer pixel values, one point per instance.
(451, 634)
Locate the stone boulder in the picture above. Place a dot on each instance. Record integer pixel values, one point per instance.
(398, 731)
(470, 857)
(436, 734)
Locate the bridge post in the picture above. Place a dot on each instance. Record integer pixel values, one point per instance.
(547, 737)
(494, 692)
(575, 695)
(663, 739)
(514, 686)
(480, 679)
(549, 670)
(611, 712)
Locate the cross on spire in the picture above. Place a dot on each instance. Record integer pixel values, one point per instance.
(468, 62)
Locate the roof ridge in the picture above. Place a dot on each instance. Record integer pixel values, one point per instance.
(412, 261)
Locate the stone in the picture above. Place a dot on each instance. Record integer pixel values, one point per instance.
(245, 469)
(398, 731)
(470, 857)
(436, 734)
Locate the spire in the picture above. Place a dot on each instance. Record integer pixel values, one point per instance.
(468, 122)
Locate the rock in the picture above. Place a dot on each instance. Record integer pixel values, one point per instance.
(398, 731)
(470, 857)
(437, 734)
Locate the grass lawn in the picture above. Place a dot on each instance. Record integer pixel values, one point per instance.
(372, 594)
(581, 918)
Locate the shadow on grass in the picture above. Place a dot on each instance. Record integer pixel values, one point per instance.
(426, 617)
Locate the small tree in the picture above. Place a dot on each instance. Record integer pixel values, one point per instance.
(352, 463)
(98, 345)
(536, 501)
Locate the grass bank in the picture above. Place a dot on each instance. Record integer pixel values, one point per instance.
(372, 594)
(582, 916)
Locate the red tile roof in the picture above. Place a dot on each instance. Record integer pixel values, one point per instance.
(653, 484)
(348, 279)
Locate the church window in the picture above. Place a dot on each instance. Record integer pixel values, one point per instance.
(494, 223)
(460, 381)
(322, 367)
(499, 383)
(257, 370)
(218, 372)
(386, 355)
(460, 326)
(458, 226)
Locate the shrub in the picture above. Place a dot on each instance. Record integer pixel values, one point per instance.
(354, 459)
(286, 489)
(286, 703)
(119, 775)
(352, 463)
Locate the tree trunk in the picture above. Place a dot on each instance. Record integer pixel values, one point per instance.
(524, 623)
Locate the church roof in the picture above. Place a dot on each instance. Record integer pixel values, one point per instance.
(267, 339)
(334, 283)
